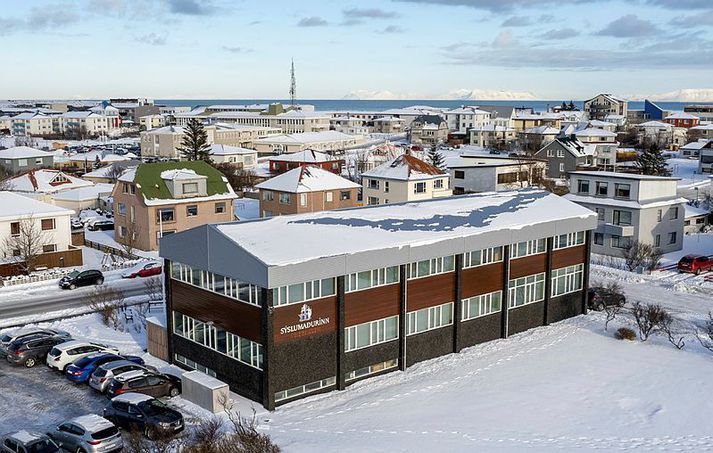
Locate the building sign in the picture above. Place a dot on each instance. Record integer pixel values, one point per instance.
(305, 321)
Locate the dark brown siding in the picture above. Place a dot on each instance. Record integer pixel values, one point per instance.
(427, 345)
(430, 291)
(569, 256)
(528, 265)
(371, 304)
(361, 358)
(525, 317)
(480, 330)
(235, 317)
(482, 280)
(300, 362)
(289, 315)
(565, 306)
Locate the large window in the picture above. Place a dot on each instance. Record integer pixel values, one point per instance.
(622, 191)
(602, 189)
(481, 257)
(419, 187)
(48, 224)
(210, 336)
(583, 186)
(371, 333)
(429, 318)
(481, 305)
(568, 240)
(268, 195)
(300, 292)
(433, 266)
(673, 213)
(190, 187)
(373, 183)
(226, 286)
(527, 248)
(622, 218)
(369, 279)
(285, 198)
(459, 174)
(619, 242)
(165, 215)
(526, 290)
(371, 369)
(303, 389)
(567, 279)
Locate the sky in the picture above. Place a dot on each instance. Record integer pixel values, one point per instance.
(416, 49)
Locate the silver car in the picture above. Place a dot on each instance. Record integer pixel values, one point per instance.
(101, 377)
(88, 434)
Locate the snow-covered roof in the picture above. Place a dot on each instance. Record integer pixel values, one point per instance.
(697, 145)
(297, 238)
(307, 179)
(204, 380)
(132, 398)
(693, 211)
(388, 119)
(165, 130)
(405, 168)
(307, 138)
(22, 152)
(85, 193)
(682, 116)
(574, 146)
(92, 422)
(538, 116)
(599, 123)
(227, 150)
(246, 208)
(612, 174)
(308, 156)
(631, 204)
(181, 174)
(46, 181)
(80, 115)
(15, 205)
(594, 132)
(91, 156)
(542, 130)
(703, 127)
(657, 124)
(25, 437)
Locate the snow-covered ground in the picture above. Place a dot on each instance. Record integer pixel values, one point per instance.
(687, 170)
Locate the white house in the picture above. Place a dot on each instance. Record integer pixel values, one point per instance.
(492, 173)
(242, 157)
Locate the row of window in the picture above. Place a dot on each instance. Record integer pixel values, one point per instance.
(369, 279)
(303, 389)
(568, 240)
(601, 189)
(194, 365)
(619, 242)
(167, 215)
(286, 198)
(206, 334)
(45, 224)
(371, 369)
(429, 318)
(301, 292)
(371, 333)
(226, 286)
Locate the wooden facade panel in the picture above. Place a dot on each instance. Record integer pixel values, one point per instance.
(430, 291)
(236, 317)
(528, 265)
(482, 280)
(371, 304)
(569, 256)
(290, 323)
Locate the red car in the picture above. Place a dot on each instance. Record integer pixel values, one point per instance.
(143, 270)
(695, 264)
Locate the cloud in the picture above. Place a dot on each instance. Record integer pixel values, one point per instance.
(190, 7)
(392, 29)
(369, 13)
(47, 17)
(500, 5)
(681, 4)
(517, 21)
(152, 39)
(560, 33)
(237, 49)
(313, 21)
(702, 19)
(503, 40)
(629, 26)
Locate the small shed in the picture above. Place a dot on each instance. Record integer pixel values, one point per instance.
(695, 219)
(205, 391)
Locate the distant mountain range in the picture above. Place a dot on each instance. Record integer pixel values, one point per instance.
(464, 94)
(685, 95)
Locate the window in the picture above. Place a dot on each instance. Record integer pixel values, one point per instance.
(345, 195)
(373, 183)
(219, 208)
(568, 240)
(673, 213)
(562, 167)
(329, 197)
(386, 186)
(47, 224)
(482, 305)
(165, 215)
(371, 369)
(303, 199)
(371, 333)
(122, 231)
(622, 218)
(598, 238)
(672, 237)
(190, 187)
(303, 389)
(550, 153)
(438, 184)
(419, 187)
(481, 257)
(619, 242)
(600, 214)
(267, 195)
(191, 364)
(15, 229)
(49, 248)
(121, 208)
(527, 248)
(284, 198)
(526, 290)
(226, 286)
(132, 214)
(372, 201)
(659, 215)
(459, 174)
(560, 153)
(602, 188)
(622, 191)
(583, 186)
(358, 281)
(433, 266)
(429, 318)
(38, 161)
(567, 279)
(657, 240)
(300, 292)
(191, 210)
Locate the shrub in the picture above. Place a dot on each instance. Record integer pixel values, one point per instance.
(649, 318)
(624, 333)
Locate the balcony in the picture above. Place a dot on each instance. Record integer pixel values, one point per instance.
(615, 230)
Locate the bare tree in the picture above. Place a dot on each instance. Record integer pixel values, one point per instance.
(706, 336)
(25, 243)
(639, 254)
(106, 301)
(114, 172)
(666, 325)
(130, 239)
(649, 318)
(153, 288)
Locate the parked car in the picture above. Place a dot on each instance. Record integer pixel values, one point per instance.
(89, 434)
(30, 351)
(695, 264)
(80, 371)
(27, 442)
(104, 224)
(153, 384)
(143, 270)
(100, 378)
(16, 335)
(136, 411)
(76, 224)
(600, 297)
(76, 279)
(62, 355)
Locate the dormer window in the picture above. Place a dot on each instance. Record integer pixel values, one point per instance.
(190, 188)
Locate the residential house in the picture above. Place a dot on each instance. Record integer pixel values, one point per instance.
(306, 189)
(45, 182)
(604, 143)
(604, 125)
(428, 130)
(285, 162)
(404, 178)
(490, 173)
(319, 141)
(89, 197)
(696, 219)
(461, 119)
(352, 125)
(682, 119)
(663, 134)
(566, 154)
(388, 125)
(705, 158)
(630, 208)
(693, 149)
(23, 158)
(523, 121)
(240, 157)
(535, 138)
(110, 173)
(154, 200)
(702, 131)
(605, 104)
(492, 136)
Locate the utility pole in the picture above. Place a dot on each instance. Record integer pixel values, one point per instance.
(293, 85)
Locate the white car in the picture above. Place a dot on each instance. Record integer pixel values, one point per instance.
(64, 354)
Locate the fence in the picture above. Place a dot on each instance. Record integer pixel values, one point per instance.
(111, 250)
(57, 273)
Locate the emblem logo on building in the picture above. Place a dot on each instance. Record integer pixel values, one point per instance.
(305, 313)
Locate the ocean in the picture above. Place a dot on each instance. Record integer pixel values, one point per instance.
(361, 105)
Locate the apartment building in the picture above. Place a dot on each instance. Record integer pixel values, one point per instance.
(388, 125)
(629, 208)
(318, 141)
(306, 189)
(492, 136)
(605, 104)
(23, 158)
(486, 173)
(428, 130)
(524, 121)
(604, 143)
(285, 162)
(152, 201)
(84, 124)
(459, 120)
(404, 178)
(704, 112)
(276, 116)
(292, 306)
(32, 124)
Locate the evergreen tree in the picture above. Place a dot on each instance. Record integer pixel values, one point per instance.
(436, 158)
(194, 145)
(652, 163)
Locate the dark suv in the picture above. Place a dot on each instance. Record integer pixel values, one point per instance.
(135, 411)
(30, 351)
(152, 384)
(76, 279)
(600, 297)
(22, 334)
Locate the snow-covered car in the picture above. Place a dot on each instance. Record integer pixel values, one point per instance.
(88, 433)
(101, 377)
(76, 223)
(20, 334)
(143, 270)
(103, 225)
(63, 355)
(27, 442)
